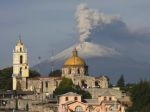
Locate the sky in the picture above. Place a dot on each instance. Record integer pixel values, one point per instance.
(47, 25)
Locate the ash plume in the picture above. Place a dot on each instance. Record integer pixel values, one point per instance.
(114, 46)
(87, 19)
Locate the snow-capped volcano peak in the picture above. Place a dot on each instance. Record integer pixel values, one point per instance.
(87, 50)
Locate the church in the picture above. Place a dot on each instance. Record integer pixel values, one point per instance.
(38, 91)
(74, 68)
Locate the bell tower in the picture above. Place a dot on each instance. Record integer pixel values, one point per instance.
(20, 64)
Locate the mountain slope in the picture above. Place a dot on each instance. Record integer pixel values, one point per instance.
(101, 60)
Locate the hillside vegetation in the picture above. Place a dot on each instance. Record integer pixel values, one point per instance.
(6, 77)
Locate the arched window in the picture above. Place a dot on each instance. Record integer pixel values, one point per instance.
(78, 71)
(84, 84)
(105, 98)
(120, 109)
(66, 98)
(69, 71)
(46, 84)
(97, 84)
(110, 98)
(21, 59)
(78, 109)
(76, 98)
(20, 49)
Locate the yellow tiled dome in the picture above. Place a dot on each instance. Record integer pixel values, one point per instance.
(75, 59)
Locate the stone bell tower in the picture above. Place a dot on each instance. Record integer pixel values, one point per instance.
(20, 65)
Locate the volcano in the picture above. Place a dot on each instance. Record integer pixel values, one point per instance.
(86, 50)
(101, 60)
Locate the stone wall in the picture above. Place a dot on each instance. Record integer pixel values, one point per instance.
(95, 92)
(30, 103)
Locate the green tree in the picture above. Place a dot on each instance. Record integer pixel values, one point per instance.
(66, 85)
(140, 96)
(34, 73)
(121, 82)
(85, 94)
(146, 108)
(129, 86)
(55, 73)
(6, 77)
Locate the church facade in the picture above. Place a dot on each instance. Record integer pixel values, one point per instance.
(72, 102)
(74, 68)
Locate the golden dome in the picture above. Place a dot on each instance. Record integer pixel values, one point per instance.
(75, 59)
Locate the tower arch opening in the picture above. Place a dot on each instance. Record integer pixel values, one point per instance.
(97, 84)
(21, 59)
(83, 84)
(20, 49)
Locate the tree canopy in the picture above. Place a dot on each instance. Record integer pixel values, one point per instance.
(140, 96)
(6, 77)
(121, 82)
(34, 73)
(55, 73)
(66, 85)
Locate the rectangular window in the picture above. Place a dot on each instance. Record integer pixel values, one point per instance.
(46, 84)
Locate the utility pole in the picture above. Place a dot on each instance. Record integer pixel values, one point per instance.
(52, 61)
(39, 59)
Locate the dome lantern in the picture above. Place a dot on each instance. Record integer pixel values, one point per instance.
(75, 52)
(75, 59)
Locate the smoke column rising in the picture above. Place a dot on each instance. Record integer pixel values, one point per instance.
(87, 19)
